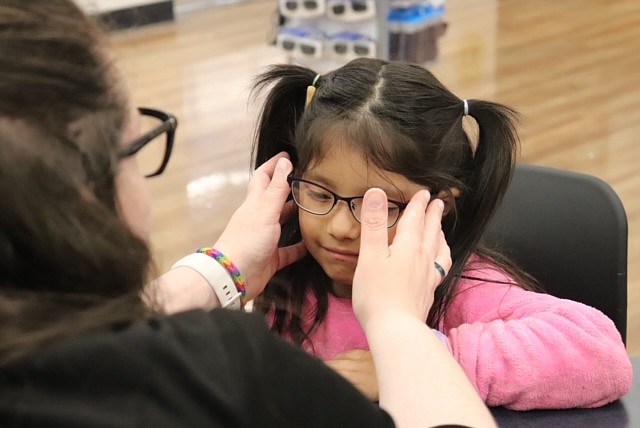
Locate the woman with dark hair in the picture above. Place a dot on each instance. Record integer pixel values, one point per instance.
(84, 342)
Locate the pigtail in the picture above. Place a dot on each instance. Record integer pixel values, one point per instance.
(282, 110)
(493, 161)
(285, 295)
(486, 178)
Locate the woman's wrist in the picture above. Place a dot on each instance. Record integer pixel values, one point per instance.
(237, 289)
(235, 255)
(220, 273)
(378, 322)
(182, 289)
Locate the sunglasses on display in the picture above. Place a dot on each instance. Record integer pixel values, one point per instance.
(348, 45)
(301, 42)
(302, 8)
(351, 10)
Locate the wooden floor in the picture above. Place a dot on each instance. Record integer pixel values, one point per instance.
(572, 67)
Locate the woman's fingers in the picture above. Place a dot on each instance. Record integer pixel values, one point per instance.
(290, 254)
(269, 185)
(270, 171)
(406, 265)
(413, 222)
(288, 211)
(373, 237)
(443, 255)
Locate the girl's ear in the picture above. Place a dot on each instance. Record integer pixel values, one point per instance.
(448, 197)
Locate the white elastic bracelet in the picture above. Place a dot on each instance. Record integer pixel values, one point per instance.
(216, 275)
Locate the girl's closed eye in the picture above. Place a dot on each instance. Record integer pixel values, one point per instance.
(319, 195)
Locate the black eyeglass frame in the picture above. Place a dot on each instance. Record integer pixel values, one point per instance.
(168, 125)
(291, 179)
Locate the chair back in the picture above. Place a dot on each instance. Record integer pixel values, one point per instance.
(569, 231)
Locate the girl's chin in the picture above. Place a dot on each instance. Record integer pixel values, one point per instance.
(342, 290)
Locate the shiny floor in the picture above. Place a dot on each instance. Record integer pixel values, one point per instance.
(571, 67)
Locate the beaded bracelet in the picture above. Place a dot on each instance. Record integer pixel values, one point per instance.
(233, 271)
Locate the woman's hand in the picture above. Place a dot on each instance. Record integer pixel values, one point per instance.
(401, 276)
(419, 381)
(251, 237)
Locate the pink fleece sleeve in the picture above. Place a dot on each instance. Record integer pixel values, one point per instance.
(527, 350)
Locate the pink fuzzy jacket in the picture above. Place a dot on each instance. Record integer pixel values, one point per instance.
(521, 349)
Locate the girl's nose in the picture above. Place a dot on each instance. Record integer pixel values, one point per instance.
(342, 224)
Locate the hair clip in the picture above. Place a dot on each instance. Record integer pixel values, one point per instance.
(311, 90)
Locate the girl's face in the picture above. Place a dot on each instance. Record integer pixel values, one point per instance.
(334, 239)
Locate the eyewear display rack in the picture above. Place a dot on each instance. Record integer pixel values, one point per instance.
(325, 34)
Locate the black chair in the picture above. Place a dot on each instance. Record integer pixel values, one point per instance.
(569, 231)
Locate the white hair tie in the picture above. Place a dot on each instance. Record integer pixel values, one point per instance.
(466, 107)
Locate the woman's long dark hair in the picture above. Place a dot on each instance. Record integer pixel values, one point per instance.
(402, 120)
(68, 263)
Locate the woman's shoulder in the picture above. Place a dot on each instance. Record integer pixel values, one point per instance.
(187, 333)
(123, 375)
(191, 369)
(218, 323)
(132, 350)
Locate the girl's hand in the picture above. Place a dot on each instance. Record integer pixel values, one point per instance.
(251, 237)
(358, 368)
(400, 277)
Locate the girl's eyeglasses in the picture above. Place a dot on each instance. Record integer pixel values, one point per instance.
(318, 200)
(153, 148)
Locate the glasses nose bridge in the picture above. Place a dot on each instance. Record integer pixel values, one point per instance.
(337, 198)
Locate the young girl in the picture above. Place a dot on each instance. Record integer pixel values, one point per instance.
(373, 123)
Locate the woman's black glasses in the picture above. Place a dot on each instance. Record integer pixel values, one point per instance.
(159, 128)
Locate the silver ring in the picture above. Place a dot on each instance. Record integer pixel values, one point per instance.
(440, 269)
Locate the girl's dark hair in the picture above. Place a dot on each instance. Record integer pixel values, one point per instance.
(402, 120)
(68, 263)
